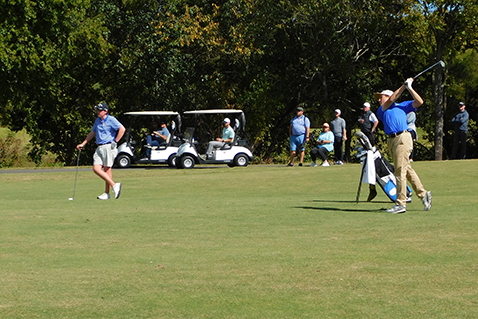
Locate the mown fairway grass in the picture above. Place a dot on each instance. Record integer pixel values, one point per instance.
(255, 242)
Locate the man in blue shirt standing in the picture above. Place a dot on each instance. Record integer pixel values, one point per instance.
(108, 131)
(299, 130)
(400, 143)
(461, 131)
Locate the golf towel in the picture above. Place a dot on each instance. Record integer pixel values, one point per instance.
(369, 175)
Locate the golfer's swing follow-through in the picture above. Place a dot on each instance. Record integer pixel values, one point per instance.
(400, 144)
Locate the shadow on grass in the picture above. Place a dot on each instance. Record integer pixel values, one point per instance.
(338, 209)
(352, 210)
(351, 201)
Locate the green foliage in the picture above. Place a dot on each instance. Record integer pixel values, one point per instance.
(59, 58)
(10, 151)
(441, 30)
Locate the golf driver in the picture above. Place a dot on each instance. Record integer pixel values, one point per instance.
(441, 63)
(77, 164)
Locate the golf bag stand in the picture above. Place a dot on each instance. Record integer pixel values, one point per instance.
(375, 166)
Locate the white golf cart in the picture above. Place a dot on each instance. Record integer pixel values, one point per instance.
(139, 127)
(236, 153)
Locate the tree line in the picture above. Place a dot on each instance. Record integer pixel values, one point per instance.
(58, 58)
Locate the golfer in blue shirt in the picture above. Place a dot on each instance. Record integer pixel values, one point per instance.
(108, 131)
(400, 143)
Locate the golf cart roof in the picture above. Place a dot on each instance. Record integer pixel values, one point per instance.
(216, 111)
(153, 113)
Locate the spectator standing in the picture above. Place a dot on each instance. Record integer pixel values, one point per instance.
(299, 130)
(461, 131)
(337, 127)
(411, 118)
(368, 123)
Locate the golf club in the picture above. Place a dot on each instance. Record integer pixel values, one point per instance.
(76, 175)
(434, 65)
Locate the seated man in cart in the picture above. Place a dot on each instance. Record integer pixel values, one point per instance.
(227, 137)
(156, 137)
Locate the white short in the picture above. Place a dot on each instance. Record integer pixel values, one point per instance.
(105, 155)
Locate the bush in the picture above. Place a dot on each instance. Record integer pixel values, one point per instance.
(11, 152)
(14, 149)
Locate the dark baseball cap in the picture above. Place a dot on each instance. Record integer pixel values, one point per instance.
(102, 107)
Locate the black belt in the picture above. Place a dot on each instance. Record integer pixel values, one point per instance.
(104, 144)
(396, 134)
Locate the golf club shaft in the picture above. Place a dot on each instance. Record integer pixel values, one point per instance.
(76, 175)
(431, 67)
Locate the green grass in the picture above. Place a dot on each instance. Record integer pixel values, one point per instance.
(255, 242)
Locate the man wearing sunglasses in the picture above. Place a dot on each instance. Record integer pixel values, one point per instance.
(108, 132)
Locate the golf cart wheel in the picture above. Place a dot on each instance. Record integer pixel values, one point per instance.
(123, 161)
(172, 160)
(187, 161)
(241, 160)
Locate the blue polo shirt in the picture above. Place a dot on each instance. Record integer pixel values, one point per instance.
(394, 119)
(163, 131)
(106, 130)
(299, 125)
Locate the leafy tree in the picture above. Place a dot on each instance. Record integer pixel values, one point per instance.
(60, 58)
(47, 67)
(439, 31)
(463, 79)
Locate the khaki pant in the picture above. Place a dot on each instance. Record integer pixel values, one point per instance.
(400, 148)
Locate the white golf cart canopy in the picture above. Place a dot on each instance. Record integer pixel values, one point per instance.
(153, 113)
(216, 111)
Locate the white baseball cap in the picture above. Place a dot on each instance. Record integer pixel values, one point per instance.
(366, 104)
(378, 95)
(227, 120)
(338, 111)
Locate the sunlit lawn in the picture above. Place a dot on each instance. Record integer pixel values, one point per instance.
(254, 242)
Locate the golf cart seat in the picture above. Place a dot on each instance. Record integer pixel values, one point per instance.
(227, 146)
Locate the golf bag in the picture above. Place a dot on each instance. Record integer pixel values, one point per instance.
(375, 168)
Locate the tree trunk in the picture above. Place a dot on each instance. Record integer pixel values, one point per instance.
(438, 88)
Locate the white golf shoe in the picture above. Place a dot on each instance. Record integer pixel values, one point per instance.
(427, 201)
(117, 190)
(104, 196)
